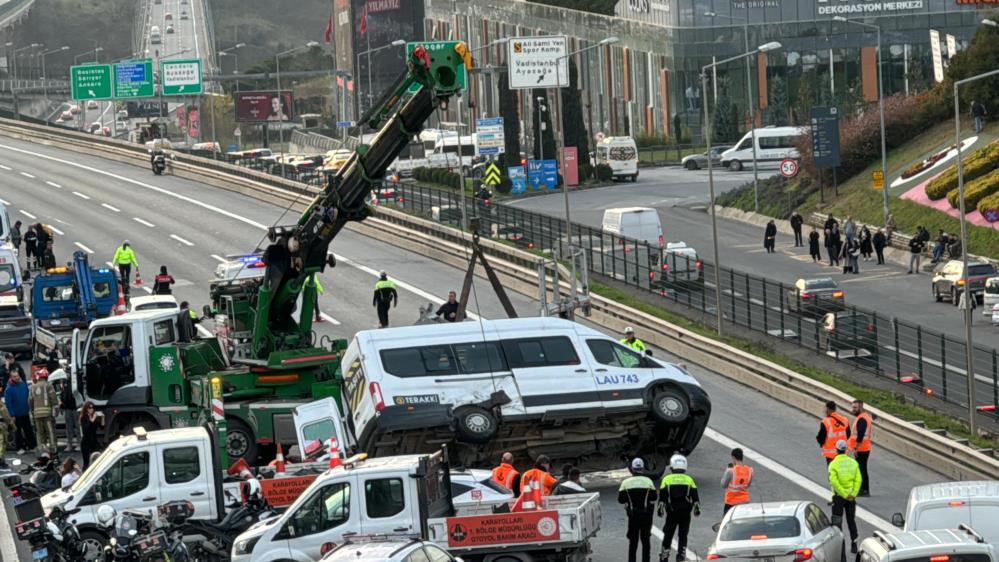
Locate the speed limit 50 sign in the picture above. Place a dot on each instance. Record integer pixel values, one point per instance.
(788, 168)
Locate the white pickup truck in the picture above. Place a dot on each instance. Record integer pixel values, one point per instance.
(411, 495)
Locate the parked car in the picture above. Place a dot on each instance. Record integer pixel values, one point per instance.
(698, 161)
(476, 485)
(949, 279)
(386, 549)
(779, 532)
(815, 297)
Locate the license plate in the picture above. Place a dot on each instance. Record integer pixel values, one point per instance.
(764, 559)
(6, 326)
(40, 554)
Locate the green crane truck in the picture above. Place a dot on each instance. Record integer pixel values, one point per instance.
(135, 369)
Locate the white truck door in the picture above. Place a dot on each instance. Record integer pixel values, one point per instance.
(315, 423)
(321, 521)
(185, 474)
(385, 508)
(618, 372)
(132, 482)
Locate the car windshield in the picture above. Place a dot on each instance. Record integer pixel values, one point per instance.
(826, 283)
(983, 518)
(764, 527)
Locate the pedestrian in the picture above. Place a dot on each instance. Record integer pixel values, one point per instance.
(15, 236)
(92, 425)
(736, 480)
(638, 494)
(830, 223)
(541, 473)
(44, 237)
(67, 405)
(677, 499)
(940, 246)
(6, 428)
(506, 475)
(449, 310)
(796, 224)
(866, 245)
(48, 256)
(844, 255)
(385, 297)
(964, 302)
(30, 245)
(631, 341)
(571, 484)
(859, 443)
(915, 253)
(853, 253)
(924, 234)
(890, 226)
(879, 242)
(849, 229)
(124, 259)
(8, 366)
(162, 282)
(834, 427)
(16, 399)
(44, 402)
(770, 237)
(186, 319)
(318, 316)
(845, 478)
(979, 112)
(955, 248)
(70, 472)
(813, 245)
(836, 245)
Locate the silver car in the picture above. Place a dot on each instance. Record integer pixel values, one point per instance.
(794, 531)
(389, 550)
(698, 161)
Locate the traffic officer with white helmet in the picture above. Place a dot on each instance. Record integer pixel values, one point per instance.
(638, 494)
(677, 499)
(631, 341)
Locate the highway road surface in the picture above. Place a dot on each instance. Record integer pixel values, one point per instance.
(94, 204)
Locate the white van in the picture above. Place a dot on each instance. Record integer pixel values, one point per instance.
(773, 144)
(545, 385)
(154, 35)
(5, 227)
(637, 223)
(448, 144)
(946, 505)
(621, 154)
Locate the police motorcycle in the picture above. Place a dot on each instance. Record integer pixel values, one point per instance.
(159, 162)
(53, 538)
(219, 537)
(138, 536)
(43, 477)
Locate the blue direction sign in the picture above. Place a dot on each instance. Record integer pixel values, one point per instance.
(134, 79)
(535, 175)
(344, 124)
(518, 177)
(550, 170)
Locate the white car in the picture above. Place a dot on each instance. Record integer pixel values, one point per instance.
(154, 302)
(92, 104)
(391, 550)
(793, 531)
(476, 485)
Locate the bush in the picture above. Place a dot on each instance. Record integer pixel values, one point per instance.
(505, 185)
(975, 190)
(980, 162)
(604, 172)
(585, 172)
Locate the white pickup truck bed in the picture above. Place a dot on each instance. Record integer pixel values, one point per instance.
(563, 523)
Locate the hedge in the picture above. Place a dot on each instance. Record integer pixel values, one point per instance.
(975, 190)
(981, 162)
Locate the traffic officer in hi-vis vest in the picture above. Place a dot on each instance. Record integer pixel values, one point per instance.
(677, 499)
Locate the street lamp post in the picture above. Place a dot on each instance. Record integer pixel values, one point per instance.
(968, 348)
(749, 103)
(218, 84)
(565, 186)
(95, 50)
(711, 177)
(881, 110)
(14, 65)
(357, 98)
(45, 80)
(277, 64)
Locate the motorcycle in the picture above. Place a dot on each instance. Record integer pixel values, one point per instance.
(54, 538)
(43, 477)
(159, 164)
(138, 535)
(124, 528)
(221, 536)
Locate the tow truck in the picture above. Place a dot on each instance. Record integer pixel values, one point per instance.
(134, 368)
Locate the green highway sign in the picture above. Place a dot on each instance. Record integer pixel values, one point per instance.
(438, 48)
(180, 77)
(134, 79)
(91, 82)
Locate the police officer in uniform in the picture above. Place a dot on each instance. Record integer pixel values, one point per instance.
(631, 341)
(638, 494)
(677, 499)
(385, 296)
(845, 480)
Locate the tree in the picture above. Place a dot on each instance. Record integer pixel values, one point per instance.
(777, 106)
(545, 138)
(723, 126)
(806, 97)
(509, 106)
(572, 117)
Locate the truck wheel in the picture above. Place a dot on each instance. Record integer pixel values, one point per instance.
(240, 441)
(475, 425)
(669, 405)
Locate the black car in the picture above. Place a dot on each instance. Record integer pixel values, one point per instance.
(815, 297)
(848, 334)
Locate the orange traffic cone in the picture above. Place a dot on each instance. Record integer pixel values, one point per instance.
(121, 307)
(334, 453)
(138, 278)
(279, 461)
(530, 499)
(240, 468)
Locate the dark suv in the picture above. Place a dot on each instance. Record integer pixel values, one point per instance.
(949, 279)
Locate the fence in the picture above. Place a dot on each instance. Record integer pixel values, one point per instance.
(666, 155)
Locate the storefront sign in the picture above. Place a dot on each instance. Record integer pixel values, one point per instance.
(508, 528)
(938, 70)
(826, 8)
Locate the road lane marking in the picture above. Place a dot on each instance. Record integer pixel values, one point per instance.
(27, 175)
(81, 195)
(4, 201)
(8, 168)
(147, 289)
(53, 184)
(181, 240)
(106, 206)
(56, 230)
(145, 222)
(219, 258)
(27, 214)
(329, 319)
(84, 248)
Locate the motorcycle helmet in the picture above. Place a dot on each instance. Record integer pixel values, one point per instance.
(252, 489)
(105, 514)
(42, 373)
(678, 462)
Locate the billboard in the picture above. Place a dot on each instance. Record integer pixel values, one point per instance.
(264, 106)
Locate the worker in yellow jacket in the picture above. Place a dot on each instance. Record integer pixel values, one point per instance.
(124, 259)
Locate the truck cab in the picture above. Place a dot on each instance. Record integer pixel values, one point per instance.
(16, 330)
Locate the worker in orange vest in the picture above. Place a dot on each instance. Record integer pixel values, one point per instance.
(859, 443)
(833, 428)
(540, 473)
(506, 475)
(736, 480)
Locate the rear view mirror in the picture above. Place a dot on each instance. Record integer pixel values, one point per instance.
(897, 520)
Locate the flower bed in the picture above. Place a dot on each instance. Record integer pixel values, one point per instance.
(920, 167)
(981, 162)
